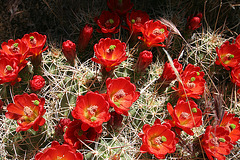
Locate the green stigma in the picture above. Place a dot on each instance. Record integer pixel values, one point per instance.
(64, 129)
(198, 74)
(194, 110)
(31, 37)
(111, 21)
(231, 56)
(193, 79)
(15, 45)
(163, 139)
(133, 21)
(36, 102)
(222, 140)
(162, 30)
(112, 47)
(8, 67)
(80, 132)
(93, 119)
(233, 126)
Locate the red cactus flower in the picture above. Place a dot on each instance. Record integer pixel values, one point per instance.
(193, 82)
(232, 124)
(92, 110)
(121, 97)
(27, 110)
(37, 83)
(235, 75)
(154, 34)
(228, 55)
(35, 42)
(108, 22)
(136, 20)
(109, 53)
(216, 142)
(74, 134)
(84, 37)
(120, 6)
(168, 72)
(144, 60)
(62, 126)
(158, 139)
(16, 49)
(194, 23)
(185, 115)
(9, 70)
(69, 50)
(57, 151)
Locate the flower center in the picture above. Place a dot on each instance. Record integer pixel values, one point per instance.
(33, 40)
(36, 102)
(133, 21)
(60, 157)
(190, 85)
(194, 110)
(198, 73)
(27, 111)
(15, 45)
(93, 119)
(160, 139)
(9, 68)
(158, 31)
(184, 115)
(215, 142)
(14, 48)
(233, 126)
(193, 79)
(111, 49)
(92, 109)
(80, 132)
(119, 94)
(222, 140)
(138, 19)
(109, 23)
(227, 58)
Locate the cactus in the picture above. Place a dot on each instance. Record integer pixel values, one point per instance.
(65, 82)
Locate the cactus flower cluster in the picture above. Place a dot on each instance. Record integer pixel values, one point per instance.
(123, 96)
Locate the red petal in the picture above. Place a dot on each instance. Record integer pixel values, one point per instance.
(85, 127)
(170, 109)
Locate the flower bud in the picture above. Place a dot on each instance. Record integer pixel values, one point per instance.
(84, 37)
(194, 23)
(69, 50)
(168, 72)
(37, 83)
(144, 60)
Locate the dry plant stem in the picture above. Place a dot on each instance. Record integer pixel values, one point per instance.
(180, 81)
